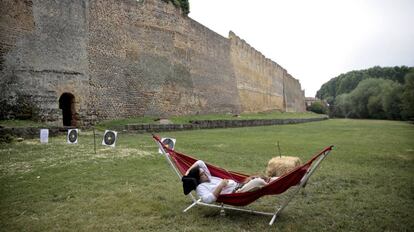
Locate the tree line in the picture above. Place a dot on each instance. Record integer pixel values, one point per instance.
(378, 92)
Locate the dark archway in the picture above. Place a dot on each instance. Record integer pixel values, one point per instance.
(67, 104)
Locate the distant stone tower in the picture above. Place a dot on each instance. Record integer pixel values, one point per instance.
(75, 62)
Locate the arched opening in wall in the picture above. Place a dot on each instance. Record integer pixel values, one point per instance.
(67, 105)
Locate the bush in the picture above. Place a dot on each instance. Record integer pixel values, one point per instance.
(318, 107)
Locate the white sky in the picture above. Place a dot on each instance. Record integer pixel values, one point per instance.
(316, 40)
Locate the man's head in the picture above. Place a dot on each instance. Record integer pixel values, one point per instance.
(195, 176)
(191, 180)
(203, 176)
(189, 184)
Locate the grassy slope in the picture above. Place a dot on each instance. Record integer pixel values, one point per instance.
(364, 185)
(188, 118)
(176, 119)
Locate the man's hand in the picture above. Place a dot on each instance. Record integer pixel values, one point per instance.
(224, 182)
(220, 187)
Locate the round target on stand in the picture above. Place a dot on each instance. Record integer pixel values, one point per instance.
(72, 137)
(169, 143)
(109, 138)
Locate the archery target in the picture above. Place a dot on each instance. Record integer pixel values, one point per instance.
(72, 137)
(109, 138)
(168, 142)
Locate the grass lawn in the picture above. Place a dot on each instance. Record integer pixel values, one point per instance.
(366, 184)
(187, 118)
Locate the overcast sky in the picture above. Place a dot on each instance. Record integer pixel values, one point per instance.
(316, 40)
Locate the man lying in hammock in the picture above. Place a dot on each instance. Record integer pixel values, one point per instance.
(209, 187)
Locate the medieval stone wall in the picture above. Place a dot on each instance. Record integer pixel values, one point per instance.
(212, 71)
(150, 60)
(44, 44)
(16, 21)
(259, 79)
(124, 58)
(294, 95)
(263, 85)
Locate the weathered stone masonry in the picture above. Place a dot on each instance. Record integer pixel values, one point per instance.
(43, 46)
(262, 84)
(121, 58)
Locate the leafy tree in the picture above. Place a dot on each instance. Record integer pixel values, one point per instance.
(372, 98)
(360, 98)
(374, 107)
(408, 97)
(185, 6)
(318, 107)
(343, 106)
(390, 99)
(347, 82)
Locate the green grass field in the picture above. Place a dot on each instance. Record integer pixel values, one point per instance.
(118, 123)
(187, 118)
(366, 184)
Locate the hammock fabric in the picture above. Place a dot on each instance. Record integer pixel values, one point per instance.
(280, 185)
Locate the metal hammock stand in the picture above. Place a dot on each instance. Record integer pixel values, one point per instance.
(297, 177)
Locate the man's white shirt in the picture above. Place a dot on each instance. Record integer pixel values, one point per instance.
(205, 190)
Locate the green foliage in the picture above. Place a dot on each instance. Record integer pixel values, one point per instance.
(408, 97)
(318, 107)
(392, 100)
(183, 4)
(187, 118)
(365, 184)
(347, 82)
(382, 93)
(372, 98)
(343, 106)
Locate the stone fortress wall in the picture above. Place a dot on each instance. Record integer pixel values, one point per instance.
(124, 58)
(294, 95)
(263, 85)
(43, 45)
(154, 61)
(259, 80)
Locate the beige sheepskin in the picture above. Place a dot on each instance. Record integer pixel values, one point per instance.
(279, 166)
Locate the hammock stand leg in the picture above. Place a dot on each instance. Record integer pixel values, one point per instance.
(192, 205)
(301, 185)
(278, 210)
(222, 207)
(222, 211)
